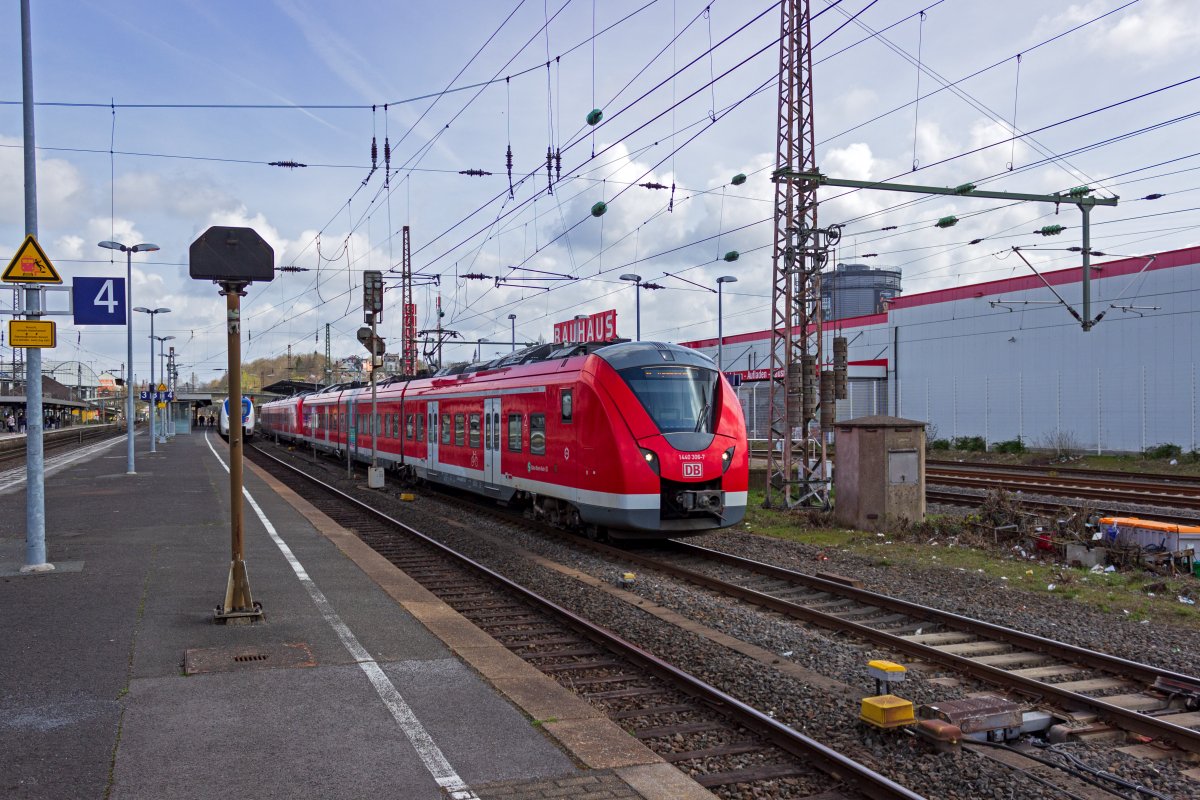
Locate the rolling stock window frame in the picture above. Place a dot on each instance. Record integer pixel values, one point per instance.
(567, 405)
(537, 434)
(473, 431)
(514, 441)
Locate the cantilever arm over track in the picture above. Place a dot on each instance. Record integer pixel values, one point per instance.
(1077, 197)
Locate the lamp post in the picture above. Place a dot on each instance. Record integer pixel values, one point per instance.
(162, 371)
(129, 251)
(721, 281)
(513, 319)
(152, 312)
(637, 281)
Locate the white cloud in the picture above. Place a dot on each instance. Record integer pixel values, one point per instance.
(1152, 31)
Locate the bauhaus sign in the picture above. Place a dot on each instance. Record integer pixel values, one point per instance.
(598, 327)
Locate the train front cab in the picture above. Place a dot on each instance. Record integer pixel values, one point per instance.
(678, 440)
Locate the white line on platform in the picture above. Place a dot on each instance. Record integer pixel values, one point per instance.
(12, 478)
(428, 751)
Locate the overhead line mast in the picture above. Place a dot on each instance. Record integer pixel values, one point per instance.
(800, 250)
(408, 316)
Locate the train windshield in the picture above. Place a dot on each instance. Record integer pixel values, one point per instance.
(678, 398)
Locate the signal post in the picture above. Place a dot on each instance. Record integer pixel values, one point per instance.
(233, 258)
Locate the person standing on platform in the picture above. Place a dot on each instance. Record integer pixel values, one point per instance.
(9, 422)
(20, 422)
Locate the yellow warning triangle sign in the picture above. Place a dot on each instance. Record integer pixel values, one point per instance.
(30, 265)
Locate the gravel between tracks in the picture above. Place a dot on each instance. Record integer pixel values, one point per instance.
(827, 717)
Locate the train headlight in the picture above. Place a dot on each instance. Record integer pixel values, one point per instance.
(651, 459)
(727, 459)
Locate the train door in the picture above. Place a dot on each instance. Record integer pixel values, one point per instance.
(491, 439)
(431, 430)
(352, 431)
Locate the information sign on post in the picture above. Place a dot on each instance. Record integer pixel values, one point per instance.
(31, 333)
(233, 258)
(99, 301)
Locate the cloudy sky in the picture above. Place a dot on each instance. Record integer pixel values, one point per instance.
(157, 120)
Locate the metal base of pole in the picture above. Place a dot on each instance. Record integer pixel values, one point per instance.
(239, 605)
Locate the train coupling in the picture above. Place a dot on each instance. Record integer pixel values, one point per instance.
(701, 500)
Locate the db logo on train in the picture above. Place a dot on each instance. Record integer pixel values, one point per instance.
(693, 469)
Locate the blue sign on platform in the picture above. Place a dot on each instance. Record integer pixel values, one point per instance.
(144, 396)
(99, 301)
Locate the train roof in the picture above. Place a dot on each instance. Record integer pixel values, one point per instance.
(620, 354)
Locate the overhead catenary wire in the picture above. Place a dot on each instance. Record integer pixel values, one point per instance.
(614, 182)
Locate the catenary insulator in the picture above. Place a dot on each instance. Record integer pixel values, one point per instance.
(795, 396)
(841, 350)
(809, 387)
(828, 406)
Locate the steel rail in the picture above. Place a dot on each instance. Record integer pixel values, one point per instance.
(1191, 481)
(1184, 738)
(864, 780)
(1176, 497)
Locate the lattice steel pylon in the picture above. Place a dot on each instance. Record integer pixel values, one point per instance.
(408, 315)
(796, 478)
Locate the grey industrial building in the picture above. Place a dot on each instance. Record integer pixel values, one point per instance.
(1005, 360)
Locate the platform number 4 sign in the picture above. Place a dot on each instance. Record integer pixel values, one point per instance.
(99, 301)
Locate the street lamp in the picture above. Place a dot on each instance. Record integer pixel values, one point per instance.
(513, 319)
(721, 281)
(129, 251)
(637, 280)
(152, 312)
(162, 371)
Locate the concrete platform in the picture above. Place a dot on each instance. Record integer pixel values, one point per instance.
(115, 682)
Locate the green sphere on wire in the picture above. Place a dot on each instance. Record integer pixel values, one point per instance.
(594, 116)
(739, 179)
(599, 208)
(732, 255)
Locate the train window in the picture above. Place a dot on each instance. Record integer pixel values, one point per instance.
(496, 428)
(460, 429)
(409, 427)
(420, 427)
(445, 429)
(567, 405)
(487, 431)
(473, 431)
(537, 434)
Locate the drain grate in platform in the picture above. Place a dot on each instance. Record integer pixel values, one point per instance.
(283, 655)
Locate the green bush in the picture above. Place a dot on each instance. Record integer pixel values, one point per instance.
(1163, 451)
(972, 444)
(1010, 446)
(938, 444)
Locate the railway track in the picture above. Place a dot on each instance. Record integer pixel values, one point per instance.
(722, 743)
(1099, 489)
(13, 451)
(1083, 685)
(1079, 488)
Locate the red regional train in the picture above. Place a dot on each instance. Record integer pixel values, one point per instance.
(629, 440)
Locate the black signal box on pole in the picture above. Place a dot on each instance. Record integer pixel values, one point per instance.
(231, 255)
